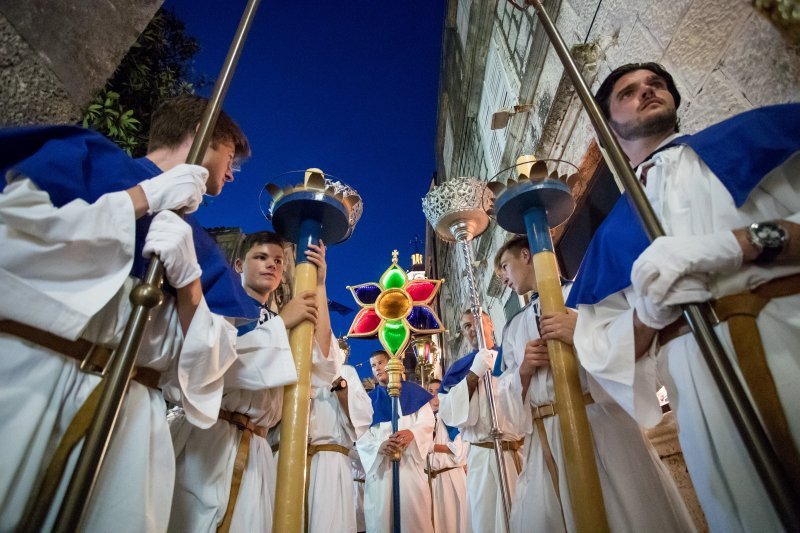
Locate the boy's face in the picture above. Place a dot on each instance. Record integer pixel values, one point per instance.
(516, 271)
(262, 268)
(433, 388)
(378, 364)
(219, 162)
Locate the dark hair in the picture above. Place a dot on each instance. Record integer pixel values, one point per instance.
(178, 117)
(515, 245)
(257, 238)
(434, 380)
(603, 95)
(376, 353)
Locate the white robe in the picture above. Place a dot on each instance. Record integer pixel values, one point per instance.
(638, 492)
(415, 502)
(205, 457)
(449, 489)
(87, 296)
(359, 478)
(471, 416)
(690, 200)
(330, 496)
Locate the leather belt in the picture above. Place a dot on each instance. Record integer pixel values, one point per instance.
(249, 429)
(94, 358)
(434, 473)
(741, 311)
(243, 422)
(506, 445)
(546, 410)
(314, 449)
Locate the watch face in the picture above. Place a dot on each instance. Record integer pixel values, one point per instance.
(770, 235)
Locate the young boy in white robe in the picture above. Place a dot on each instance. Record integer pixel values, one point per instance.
(341, 412)
(226, 474)
(413, 440)
(71, 230)
(638, 492)
(446, 473)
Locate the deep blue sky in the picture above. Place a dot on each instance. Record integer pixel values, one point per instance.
(349, 87)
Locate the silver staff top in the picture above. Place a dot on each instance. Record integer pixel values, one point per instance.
(459, 201)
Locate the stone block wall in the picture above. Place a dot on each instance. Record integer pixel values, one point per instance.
(55, 54)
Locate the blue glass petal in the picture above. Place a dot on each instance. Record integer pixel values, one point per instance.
(367, 294)
(422, 318)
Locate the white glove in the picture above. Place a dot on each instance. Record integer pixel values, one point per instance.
(170, 238)
(668, 258)
(179, 187)
(484, 361)
(688, 289)
(656, 316)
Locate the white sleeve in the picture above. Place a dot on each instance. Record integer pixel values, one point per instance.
(508, 391)
(265, 358)
(358, 402)
(368, 446)
(208, 351)
(70, 260)
(421, 425)
(605, 346)
(457, 409)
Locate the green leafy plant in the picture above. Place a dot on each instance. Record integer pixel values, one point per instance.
(157, 66)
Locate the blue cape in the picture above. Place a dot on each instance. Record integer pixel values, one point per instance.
(412, 399)
(740, 151)
(72, 163)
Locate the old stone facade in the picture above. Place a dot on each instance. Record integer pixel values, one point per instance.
(55, 54)
(726, 57)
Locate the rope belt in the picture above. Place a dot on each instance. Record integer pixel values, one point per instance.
(506, 446)
(539, 413)
(248, 429)
(359, 480)
(741, 311)
(434, 473)
(93, 358)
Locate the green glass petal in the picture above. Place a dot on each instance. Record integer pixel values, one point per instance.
(394, 336)
(393, 278)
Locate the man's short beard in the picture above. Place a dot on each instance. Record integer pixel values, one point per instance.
(660, 123)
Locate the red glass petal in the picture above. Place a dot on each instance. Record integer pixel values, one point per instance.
(366, 322)
(421, 290)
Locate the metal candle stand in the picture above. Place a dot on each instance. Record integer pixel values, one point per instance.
(316, 209)
(457, 211)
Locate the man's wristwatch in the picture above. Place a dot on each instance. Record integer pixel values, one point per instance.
(769, 239)
(339, 385)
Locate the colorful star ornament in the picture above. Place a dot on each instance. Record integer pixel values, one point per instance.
(395, 308)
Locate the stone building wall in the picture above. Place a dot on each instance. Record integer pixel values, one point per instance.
(56, 54)
(726, 57)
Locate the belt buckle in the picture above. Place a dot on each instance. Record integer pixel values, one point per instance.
(92, 366)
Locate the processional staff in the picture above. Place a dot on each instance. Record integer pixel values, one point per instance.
(318, 208)
(144, 297)
(533, 205)
(457, 211)
(740, 408)
(395, 309)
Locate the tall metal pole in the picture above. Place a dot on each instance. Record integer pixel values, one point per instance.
(741, 410)
(461, 233)
(143, 298)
